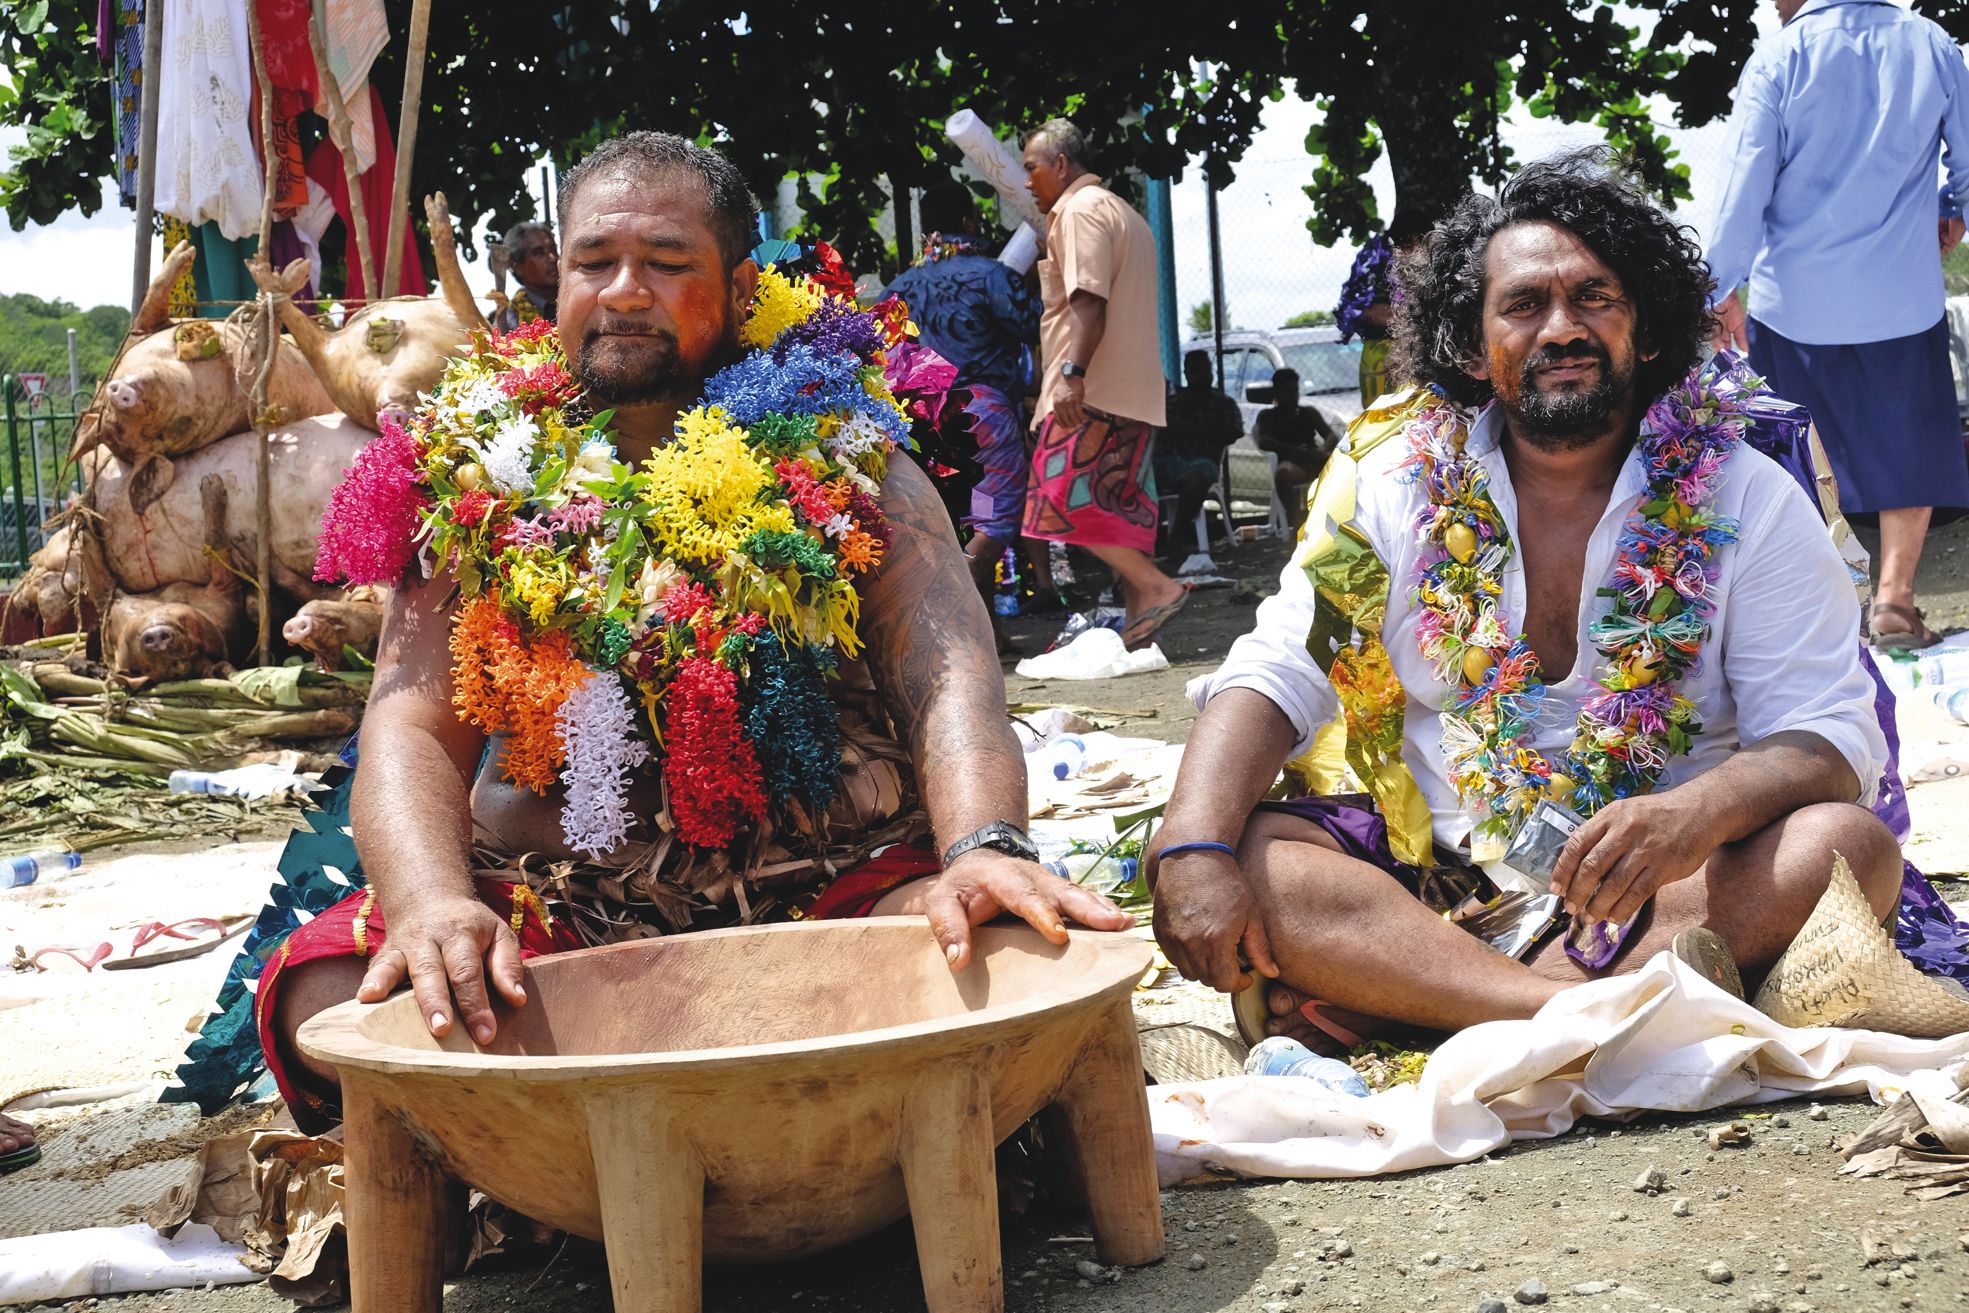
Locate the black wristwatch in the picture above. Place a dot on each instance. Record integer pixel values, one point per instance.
(1001, 835)
(1070, 370)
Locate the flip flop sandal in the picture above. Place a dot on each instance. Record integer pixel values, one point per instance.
(19, 1158)
(86, 958)
(1915, 636)
(156, 930)
(1711, 957)
(1252, 1011)
(1150, 622)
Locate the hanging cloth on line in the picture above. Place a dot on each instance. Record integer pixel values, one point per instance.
(325, 170)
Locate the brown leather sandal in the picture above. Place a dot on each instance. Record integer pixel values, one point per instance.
(1912, 634)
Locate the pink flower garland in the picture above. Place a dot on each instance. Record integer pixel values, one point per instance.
(372, 516)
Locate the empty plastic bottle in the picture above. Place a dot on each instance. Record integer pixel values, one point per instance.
(1281, 1055)
(29, 867)
(1062, 757)
(1953, 699)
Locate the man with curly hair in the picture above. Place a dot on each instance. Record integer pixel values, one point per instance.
(1489, 609)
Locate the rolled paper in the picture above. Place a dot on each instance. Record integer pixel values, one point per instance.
(999, 164)
(1022, 250)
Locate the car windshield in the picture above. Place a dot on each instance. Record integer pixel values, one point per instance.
(1324, 366)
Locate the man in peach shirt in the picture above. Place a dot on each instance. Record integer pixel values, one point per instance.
(1102, 390)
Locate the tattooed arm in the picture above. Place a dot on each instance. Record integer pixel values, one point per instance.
(932, 653)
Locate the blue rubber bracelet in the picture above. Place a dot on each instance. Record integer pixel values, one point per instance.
(1200, 846)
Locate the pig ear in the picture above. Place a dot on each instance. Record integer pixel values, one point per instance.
(155, 312)
(451, 278)
(149, 481)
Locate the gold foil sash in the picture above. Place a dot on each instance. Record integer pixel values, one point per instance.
(1350, 582)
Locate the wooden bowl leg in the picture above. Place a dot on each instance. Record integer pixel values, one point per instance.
(951, 1176)
(1104, 1110)
(651, 1184)
(395, 1207)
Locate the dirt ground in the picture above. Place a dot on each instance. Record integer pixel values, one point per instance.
(1557, 1221)
(1561, 1213)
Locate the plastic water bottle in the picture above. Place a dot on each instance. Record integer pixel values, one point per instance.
(196, 781)
(1281, 1055)
(26, 869)
(1953, 699)
(1061, 758)
(1948, 668)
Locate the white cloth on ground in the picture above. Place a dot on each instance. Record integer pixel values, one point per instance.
(207, 168)
(109, 1260)
(1661, 1040)
(1771, 664)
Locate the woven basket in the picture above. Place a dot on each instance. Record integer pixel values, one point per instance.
(1844, 970)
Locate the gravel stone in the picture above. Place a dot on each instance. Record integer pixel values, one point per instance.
(1781, 1122)
(1763, 1304)
(1719, 1272)
(1091, 1271)
(1617, 1215)
(1340, 1249)
(1532, 1292)
(1432, 1258)
(1815, 1113)
(1680, 1208)
(1592, 1288)
(1650, 1181)
(1492, 1306)
(1800, 1150)
(1196, 1262)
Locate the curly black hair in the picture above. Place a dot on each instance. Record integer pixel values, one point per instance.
(1438, 312)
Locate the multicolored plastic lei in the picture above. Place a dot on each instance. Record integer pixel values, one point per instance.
(703, 598)
(1661, 592)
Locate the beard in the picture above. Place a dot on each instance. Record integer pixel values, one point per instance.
(631, 370)
(1563, 419)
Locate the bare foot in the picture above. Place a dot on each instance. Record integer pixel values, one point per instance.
(1284, 1003)
(15, 1135)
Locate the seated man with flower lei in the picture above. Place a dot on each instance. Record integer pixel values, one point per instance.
(667, 567)
(1553, 572)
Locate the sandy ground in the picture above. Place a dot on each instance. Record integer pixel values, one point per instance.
(1562, 1214)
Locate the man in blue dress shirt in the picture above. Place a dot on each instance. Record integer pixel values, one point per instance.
(1830, 212)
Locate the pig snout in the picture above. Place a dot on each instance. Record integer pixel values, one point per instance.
(298, 630)
(122, 393)
(164, 638)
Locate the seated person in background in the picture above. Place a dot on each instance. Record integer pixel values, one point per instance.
(1189, 451)
(1302, 437)
(1704, 708)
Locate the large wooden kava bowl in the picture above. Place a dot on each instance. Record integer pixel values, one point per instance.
(748, 1094)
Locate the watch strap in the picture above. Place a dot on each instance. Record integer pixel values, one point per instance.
(1003, 836)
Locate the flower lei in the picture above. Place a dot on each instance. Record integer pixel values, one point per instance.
(1662, 595)
(1370, 280)
(942, 246)
(708, 594)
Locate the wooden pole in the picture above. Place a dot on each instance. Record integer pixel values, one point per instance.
(339, 130)
(147, 148)
(266, 343)
(413, 98)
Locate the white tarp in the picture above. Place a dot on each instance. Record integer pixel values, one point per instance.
(107, 1260)
(1660, 1040)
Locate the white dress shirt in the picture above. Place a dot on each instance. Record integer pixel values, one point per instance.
(1783, 651)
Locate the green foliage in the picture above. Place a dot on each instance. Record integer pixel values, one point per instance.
(1428, 82)
(849, 99)
(1202, 319)
(52, 86)
(1309, 319)
(34, 338)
